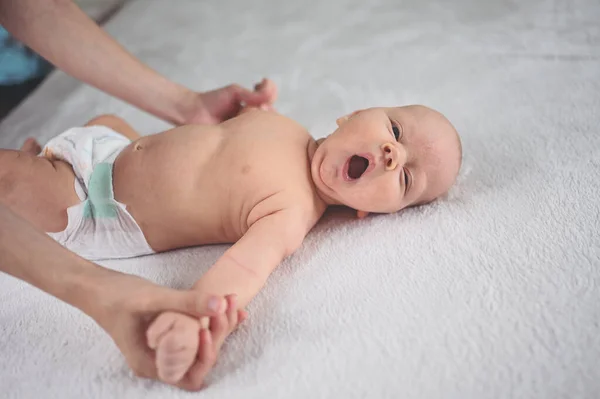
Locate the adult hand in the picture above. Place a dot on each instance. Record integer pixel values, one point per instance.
(212, 337)
(186, 349)
(129, 306)
(61, 32)
(123, 305)
(216, 106)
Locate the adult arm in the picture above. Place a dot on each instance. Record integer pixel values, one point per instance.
(123, 305)
(63, 34)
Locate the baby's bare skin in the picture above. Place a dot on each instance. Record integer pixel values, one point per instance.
(260, 181)
(252, 168)
(228, 177)
(37, 189)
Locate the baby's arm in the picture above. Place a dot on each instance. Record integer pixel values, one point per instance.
(245, 267)
(242, 270)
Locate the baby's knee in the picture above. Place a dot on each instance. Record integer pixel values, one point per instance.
(104, 120)
(115, 123)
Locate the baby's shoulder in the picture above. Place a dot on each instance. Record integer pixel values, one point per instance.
(302, 206)
(305, 204)
(265, 124)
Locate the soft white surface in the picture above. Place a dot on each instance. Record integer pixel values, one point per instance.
(490, 293)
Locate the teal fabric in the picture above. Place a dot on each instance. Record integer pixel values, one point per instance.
(100, 202)
(18, 63)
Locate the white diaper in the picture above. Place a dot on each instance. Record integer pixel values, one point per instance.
(99, 227)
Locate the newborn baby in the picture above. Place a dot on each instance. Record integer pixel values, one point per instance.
(258, 180)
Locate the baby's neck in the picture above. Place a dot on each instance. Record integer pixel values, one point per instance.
(312, 148)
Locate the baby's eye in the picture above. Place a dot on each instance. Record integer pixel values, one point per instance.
(396, 131)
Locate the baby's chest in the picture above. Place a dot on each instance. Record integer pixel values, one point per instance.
(274, 174)
(274, 161)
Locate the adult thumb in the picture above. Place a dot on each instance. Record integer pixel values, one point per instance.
(254, 98)
(191, 302)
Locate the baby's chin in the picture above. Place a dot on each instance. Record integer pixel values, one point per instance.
(321, 140)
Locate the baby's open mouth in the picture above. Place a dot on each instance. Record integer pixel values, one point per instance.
(357, 165)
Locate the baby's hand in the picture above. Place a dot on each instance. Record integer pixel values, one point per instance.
(185, 351)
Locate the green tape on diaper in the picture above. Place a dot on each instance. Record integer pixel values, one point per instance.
(100, 202)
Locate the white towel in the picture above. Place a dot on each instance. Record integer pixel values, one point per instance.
(492, 292)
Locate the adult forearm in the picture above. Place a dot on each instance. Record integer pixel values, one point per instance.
(63, 34)
(32, 256)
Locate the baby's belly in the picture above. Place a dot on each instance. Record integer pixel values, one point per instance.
(158, 180)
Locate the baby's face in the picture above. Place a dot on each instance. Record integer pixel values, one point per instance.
(386, 159)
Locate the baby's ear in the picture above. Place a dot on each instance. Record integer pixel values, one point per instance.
(345, 118)
(362, 214)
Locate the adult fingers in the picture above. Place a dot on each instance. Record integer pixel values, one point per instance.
(207, 356)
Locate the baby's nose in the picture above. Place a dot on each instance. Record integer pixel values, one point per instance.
(390, 156)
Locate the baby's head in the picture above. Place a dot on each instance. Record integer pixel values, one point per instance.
(386, 159)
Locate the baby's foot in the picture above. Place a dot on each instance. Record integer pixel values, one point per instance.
(31, 146)
(175, 338)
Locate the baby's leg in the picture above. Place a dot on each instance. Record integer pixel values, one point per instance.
(37, 189)
(117, 124)
(175, 338)
(40, 189)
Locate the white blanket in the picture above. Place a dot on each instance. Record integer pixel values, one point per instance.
(492, 292)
